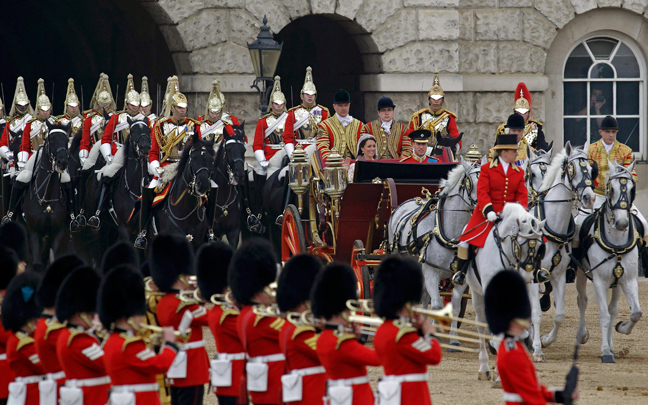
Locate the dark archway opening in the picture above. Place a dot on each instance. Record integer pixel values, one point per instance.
(325, 45)
(80, 39)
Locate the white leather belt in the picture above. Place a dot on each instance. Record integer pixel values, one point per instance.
(3, 356)
(56, 376)
(512, 397)
(152, 387)
(88, 382)
(309, 141)
(231, 356)
(276, 146)
(119, 145)
(193, 345)
(406, 377)
(350, 381)
(30, 379)
(309, 371)
(267, 359)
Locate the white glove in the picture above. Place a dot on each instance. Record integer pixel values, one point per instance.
(289, 148)
(153, 166)
(82, 160)
(491, 216)
(159, 171)
(264, 164)
(106, 151)
(260, 157)
(23, 157)
(9, 155)
(83, 154)
(21, 165)
(4, 151)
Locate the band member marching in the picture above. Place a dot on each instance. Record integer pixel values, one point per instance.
(270, 128)
(9, 263)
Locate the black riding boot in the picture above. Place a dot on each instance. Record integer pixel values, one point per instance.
(94, 221)
(148, 194)
(68, 191)
(210, 214)
(460, 266)
(6, 193)
(81, 219)
(644, 257)
(17, 192)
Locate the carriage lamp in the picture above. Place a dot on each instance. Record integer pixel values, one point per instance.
(299, 170)
(473, 154)
(265, 53)
(335, 175)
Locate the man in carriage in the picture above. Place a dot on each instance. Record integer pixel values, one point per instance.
(341, 131)
(420, 139)
(391, 135)
(268, 137)
(216, 121)
(72, 110)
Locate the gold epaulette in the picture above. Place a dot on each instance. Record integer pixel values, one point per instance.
(23, 340)
(419, 112)
(128, 339)
(227, 310)
(342, 337)
(257, 319)
(31, 120)
(535, 122)
(493, 163)
(403, 329)
(90, 111)
(451, 113)
(182, 305)
(312, 342)
(73, 333)
(278, 323)
(324, 108)
(500, 129)
(52, 325)
(301, 328)
(228, 120)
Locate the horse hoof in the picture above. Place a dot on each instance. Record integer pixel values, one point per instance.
(584, 338)
(539, 358)
(483, 376)
(618, 326)
(497, 383)
(608, 358)
(492, 349)
(545, 341)
(453, 350)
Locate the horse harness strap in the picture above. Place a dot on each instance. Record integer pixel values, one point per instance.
(562, 240)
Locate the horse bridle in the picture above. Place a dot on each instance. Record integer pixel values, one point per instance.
(52, 156)
(569, 169)
(534, 254)
(624, 202)
(135, 143)
(191, 186)
(528, 177)
(467, 186)
(230, 141)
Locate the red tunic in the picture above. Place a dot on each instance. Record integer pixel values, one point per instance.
(108, 135)
(260, 337)
(88, 139)
(290, 134)
(518, 375)
(129, 361)
(270, 144)
(155, 153)
(81, 356)
(24, 362)
(298, 344)
(222, 323)
(6, 375)
(407, 354)
(494, 189)
(25, 141)
(424, 159)
(6, 137)
(169, 312)
(45, 339)
(344, 357)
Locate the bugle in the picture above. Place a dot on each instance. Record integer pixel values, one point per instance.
(360, 305)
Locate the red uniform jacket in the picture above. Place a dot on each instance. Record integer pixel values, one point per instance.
(424, 159)
(415, 122)
(260, 337)
(494, 189)
(81, 356)
(222, 321)
(87, 139)
(402, 351)
(290, 134)
(344, 357)
(128, 361)
(298, 344)
(6, 375)
(518, 374)
(45, 338)
(169, 312)
(154, 154)
(108, 135)
(261, 142)
(24, 362)
(6, 138)
(25, 141)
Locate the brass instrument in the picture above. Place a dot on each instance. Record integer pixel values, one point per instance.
(223, 299)
(150, 288)
(190, 296)
(444, 316)
(153, 334)
(271, 311)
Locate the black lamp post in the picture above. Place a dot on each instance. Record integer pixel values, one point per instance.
(264, 52)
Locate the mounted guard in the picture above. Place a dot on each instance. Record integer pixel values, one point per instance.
(146, 103)
(20, 114)
(216, 121)
(268, 138)
(72, 110)
(102, 103)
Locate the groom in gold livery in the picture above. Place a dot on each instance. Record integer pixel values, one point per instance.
(341, 131)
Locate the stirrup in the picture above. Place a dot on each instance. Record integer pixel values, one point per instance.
(81, 220)
(542, 276)
(279, 220)
(94, 222)
(210, 236)
(459, 279)
(74, 224)
(7, 218)
(140, 241)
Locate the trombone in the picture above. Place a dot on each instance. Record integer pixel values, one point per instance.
(271, 311)
(191, 296)
(223, 299)
(153, 334)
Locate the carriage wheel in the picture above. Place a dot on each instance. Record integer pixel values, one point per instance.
(293, 239)
(361, 272)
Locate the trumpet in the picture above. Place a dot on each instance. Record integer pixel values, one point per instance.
(445, 317)
(153, 334)
(223, 299)
(361, 305)
(191, 296)
(271, 311)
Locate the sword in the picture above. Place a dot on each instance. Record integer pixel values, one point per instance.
(117, 98)
(3, 97)
(82, 105)
(53, 99)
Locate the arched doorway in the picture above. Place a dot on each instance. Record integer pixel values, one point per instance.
(324, 44)
(80, 41)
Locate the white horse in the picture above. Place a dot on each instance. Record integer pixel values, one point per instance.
(611, 258)
(567, 182)
(514, 243)
(435, 235)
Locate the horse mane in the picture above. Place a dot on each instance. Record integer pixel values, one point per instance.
(186, 152)
(454, 176)
(555, 168)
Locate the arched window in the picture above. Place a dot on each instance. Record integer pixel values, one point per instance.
(603, 76)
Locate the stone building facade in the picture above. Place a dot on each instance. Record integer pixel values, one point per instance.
(482, 49)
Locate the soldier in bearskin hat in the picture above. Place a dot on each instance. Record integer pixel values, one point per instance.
(132, 366)
(171, 262)
(405, 342)
(118, 254)
(8, 269)
(78, 346)
(14, 235)
(342, 355)
(19, 315)
(212, 262)
(508, 312)
(297, 339)
(252, 269)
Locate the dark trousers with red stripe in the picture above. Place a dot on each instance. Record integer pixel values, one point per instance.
(187, 395)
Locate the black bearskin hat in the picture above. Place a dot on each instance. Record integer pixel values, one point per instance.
(399, 280)
(13, 235)
(505, 299)
(78, 293)
(121, 295)
(253, 267)
(170, 256)
(119, 253)
(212, 262)
(333, 287)
(54, 275)
(8, 266)
(19, 303)
(296, 280)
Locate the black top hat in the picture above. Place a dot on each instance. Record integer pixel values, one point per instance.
(13, 235)
(385, 102)
(506, 141)
(121, 295)
(341, 96)
(420, 135)
(515, 121)
(296, 280)
(333, 287)
(78, 293)
(399, 280)
(212, 262)
(119, 253)
(506, 299)
(609, 122)
(19, 301)
(8, 266)
(253, 267)
(53, 277)
(170, 256)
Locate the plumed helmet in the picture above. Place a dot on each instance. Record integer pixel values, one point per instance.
(399, 281)
(119, 253)
(309, 86)
(71, 98)
(8, 266)
(296, 280)
(19, 302)
(145, 95)
(121, 295)
(104, 96)
(42, 101)
(78, 293)
(20, 98)
(333, 287)
(216, 99)
(212, 262)
(506, 299)
(277, 96)
(522, 99)
(179, 100)
(132, 96)
(53, 277)
(436, 92)
(253, 267)
(14, 236)
(170, 257)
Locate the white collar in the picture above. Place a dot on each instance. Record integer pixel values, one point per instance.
(344, 120)
(505, 165)
(607, 147)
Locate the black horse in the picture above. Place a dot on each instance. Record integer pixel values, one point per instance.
(229, 175)
(45, 205)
